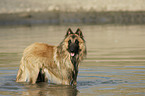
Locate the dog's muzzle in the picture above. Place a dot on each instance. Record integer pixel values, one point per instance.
(73, 49)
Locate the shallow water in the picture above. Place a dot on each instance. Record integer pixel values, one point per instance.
(114, 65)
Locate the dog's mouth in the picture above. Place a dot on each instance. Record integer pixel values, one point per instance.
(72, 54)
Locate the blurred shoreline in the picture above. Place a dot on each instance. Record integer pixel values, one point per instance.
(31, 12)
(80, 17)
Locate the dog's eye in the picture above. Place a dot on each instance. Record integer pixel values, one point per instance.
(69, 41)
(77, 42)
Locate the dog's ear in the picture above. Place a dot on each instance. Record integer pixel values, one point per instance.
(79, 32)
(69, 31)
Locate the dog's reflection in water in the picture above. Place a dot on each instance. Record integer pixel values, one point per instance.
(45, 89)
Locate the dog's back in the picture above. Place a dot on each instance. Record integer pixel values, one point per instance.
(40, 50)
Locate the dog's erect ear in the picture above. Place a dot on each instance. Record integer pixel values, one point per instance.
(69, 31)
(79, 32)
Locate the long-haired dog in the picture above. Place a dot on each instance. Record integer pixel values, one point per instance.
(55, 64)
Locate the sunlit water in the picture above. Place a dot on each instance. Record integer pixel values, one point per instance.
(115, 64)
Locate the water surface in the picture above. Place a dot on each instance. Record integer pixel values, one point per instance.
(115, 64)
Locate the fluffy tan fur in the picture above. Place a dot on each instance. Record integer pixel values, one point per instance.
(53, 62)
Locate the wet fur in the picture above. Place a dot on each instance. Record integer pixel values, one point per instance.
(42, 62)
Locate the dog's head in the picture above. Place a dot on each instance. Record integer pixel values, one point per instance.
(75, 43)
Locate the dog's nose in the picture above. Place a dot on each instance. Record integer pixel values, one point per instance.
(74, 48)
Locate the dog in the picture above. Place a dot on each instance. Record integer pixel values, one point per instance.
(55, 64)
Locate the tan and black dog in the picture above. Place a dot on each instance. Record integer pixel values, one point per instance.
(56, 64)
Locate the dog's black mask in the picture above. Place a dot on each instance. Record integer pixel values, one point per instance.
(73, 47)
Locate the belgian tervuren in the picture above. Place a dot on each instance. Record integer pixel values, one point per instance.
(55, 64)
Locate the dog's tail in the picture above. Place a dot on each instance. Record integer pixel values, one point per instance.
(21, 76)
